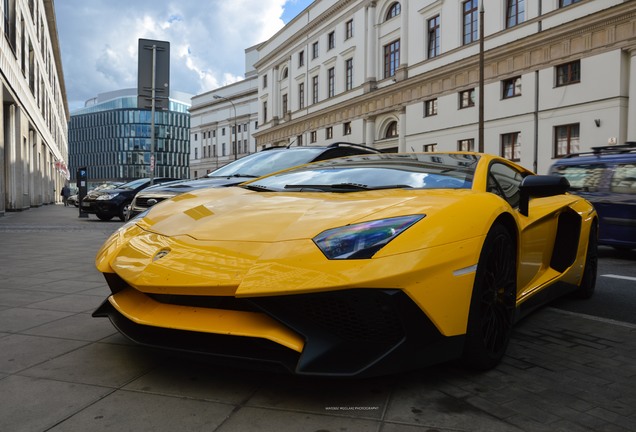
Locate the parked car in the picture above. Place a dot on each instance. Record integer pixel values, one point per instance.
(606, 177)
(73, 200)
(246, 168)
(362, 265)
(108, 203)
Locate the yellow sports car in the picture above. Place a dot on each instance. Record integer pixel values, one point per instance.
(361, 265)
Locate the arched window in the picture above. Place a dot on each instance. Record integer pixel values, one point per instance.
(393, 11)
(391, 130)
(285, 73)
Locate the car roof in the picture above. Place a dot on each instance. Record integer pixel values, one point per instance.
(607, 154)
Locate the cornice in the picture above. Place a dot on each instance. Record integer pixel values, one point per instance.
(611, 29)
(304, 34)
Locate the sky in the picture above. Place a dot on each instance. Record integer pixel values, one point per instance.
(99, 39)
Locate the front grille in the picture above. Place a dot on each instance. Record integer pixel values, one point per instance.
(350, 315)
(143, 202)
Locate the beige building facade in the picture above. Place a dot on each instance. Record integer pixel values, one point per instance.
(558, 76)
(34, 110)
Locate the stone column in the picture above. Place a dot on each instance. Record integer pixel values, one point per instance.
(631, 105)
(402, 72)
(369, 131)
(371, 40)
(402, 129)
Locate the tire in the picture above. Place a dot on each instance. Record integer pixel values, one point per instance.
(123, 210)
(493, 302)
(587, 285)
(103, 217)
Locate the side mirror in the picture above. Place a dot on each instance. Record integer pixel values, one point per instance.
(537, 186)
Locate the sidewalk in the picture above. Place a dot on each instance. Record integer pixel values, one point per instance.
(62, 370)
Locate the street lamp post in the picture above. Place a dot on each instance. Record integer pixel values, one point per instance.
(235, 142)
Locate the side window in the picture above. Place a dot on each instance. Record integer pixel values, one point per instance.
(337, 152)
(624, 180)
(505, 182)
(586, 178)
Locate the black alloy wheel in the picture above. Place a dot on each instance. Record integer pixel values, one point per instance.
(493, 303)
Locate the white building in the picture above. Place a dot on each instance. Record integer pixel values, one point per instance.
(559, 76)
(34, 110)
(223, 121)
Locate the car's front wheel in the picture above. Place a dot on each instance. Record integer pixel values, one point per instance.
(103, 216)
(492, 307)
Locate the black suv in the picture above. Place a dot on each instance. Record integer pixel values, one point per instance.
(255, 165)
(108, 203)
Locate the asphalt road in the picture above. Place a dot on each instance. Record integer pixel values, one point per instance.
(615, 296)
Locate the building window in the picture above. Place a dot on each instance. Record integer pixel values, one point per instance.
(566, 139)
(429, 148)
(349, 74)
(430, 107)
(223, 129)
(467, 98)
(393, 11)
(511, 87)
(223, 149)
(285, 73)
(299, 140)
(470, 21)
(196, 153)
(515, 10)
(314, 50)
(301, 95)
(568, 73)
(314, 89)
(313, 136)
(391, 130)
(349, 29)
(301, 58)
(433, 37)
(346, 128)
(331, 82)
(331, 40)
(466, 145)
(511, 146)
(285, 104)
(329, 132)
(391, 58)
(264, 81)
(564, 3)
(264, 113)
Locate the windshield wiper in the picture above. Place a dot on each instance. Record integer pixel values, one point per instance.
(344, 187)
(233, 175)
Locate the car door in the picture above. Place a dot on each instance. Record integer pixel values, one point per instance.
(617, 209)
(537, 231)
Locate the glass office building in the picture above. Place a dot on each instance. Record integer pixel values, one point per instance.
(110, 136)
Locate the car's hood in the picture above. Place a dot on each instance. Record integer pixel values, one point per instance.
(237, 214)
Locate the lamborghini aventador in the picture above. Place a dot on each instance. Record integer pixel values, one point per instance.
(362, 265)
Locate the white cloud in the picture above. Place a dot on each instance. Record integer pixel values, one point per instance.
(99, 40)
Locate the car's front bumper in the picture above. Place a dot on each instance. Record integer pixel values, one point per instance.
(355, 332)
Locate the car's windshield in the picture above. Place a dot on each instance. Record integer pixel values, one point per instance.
(265, 162)
(368, 172)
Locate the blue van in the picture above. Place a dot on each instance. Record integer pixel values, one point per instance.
(606, 177)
